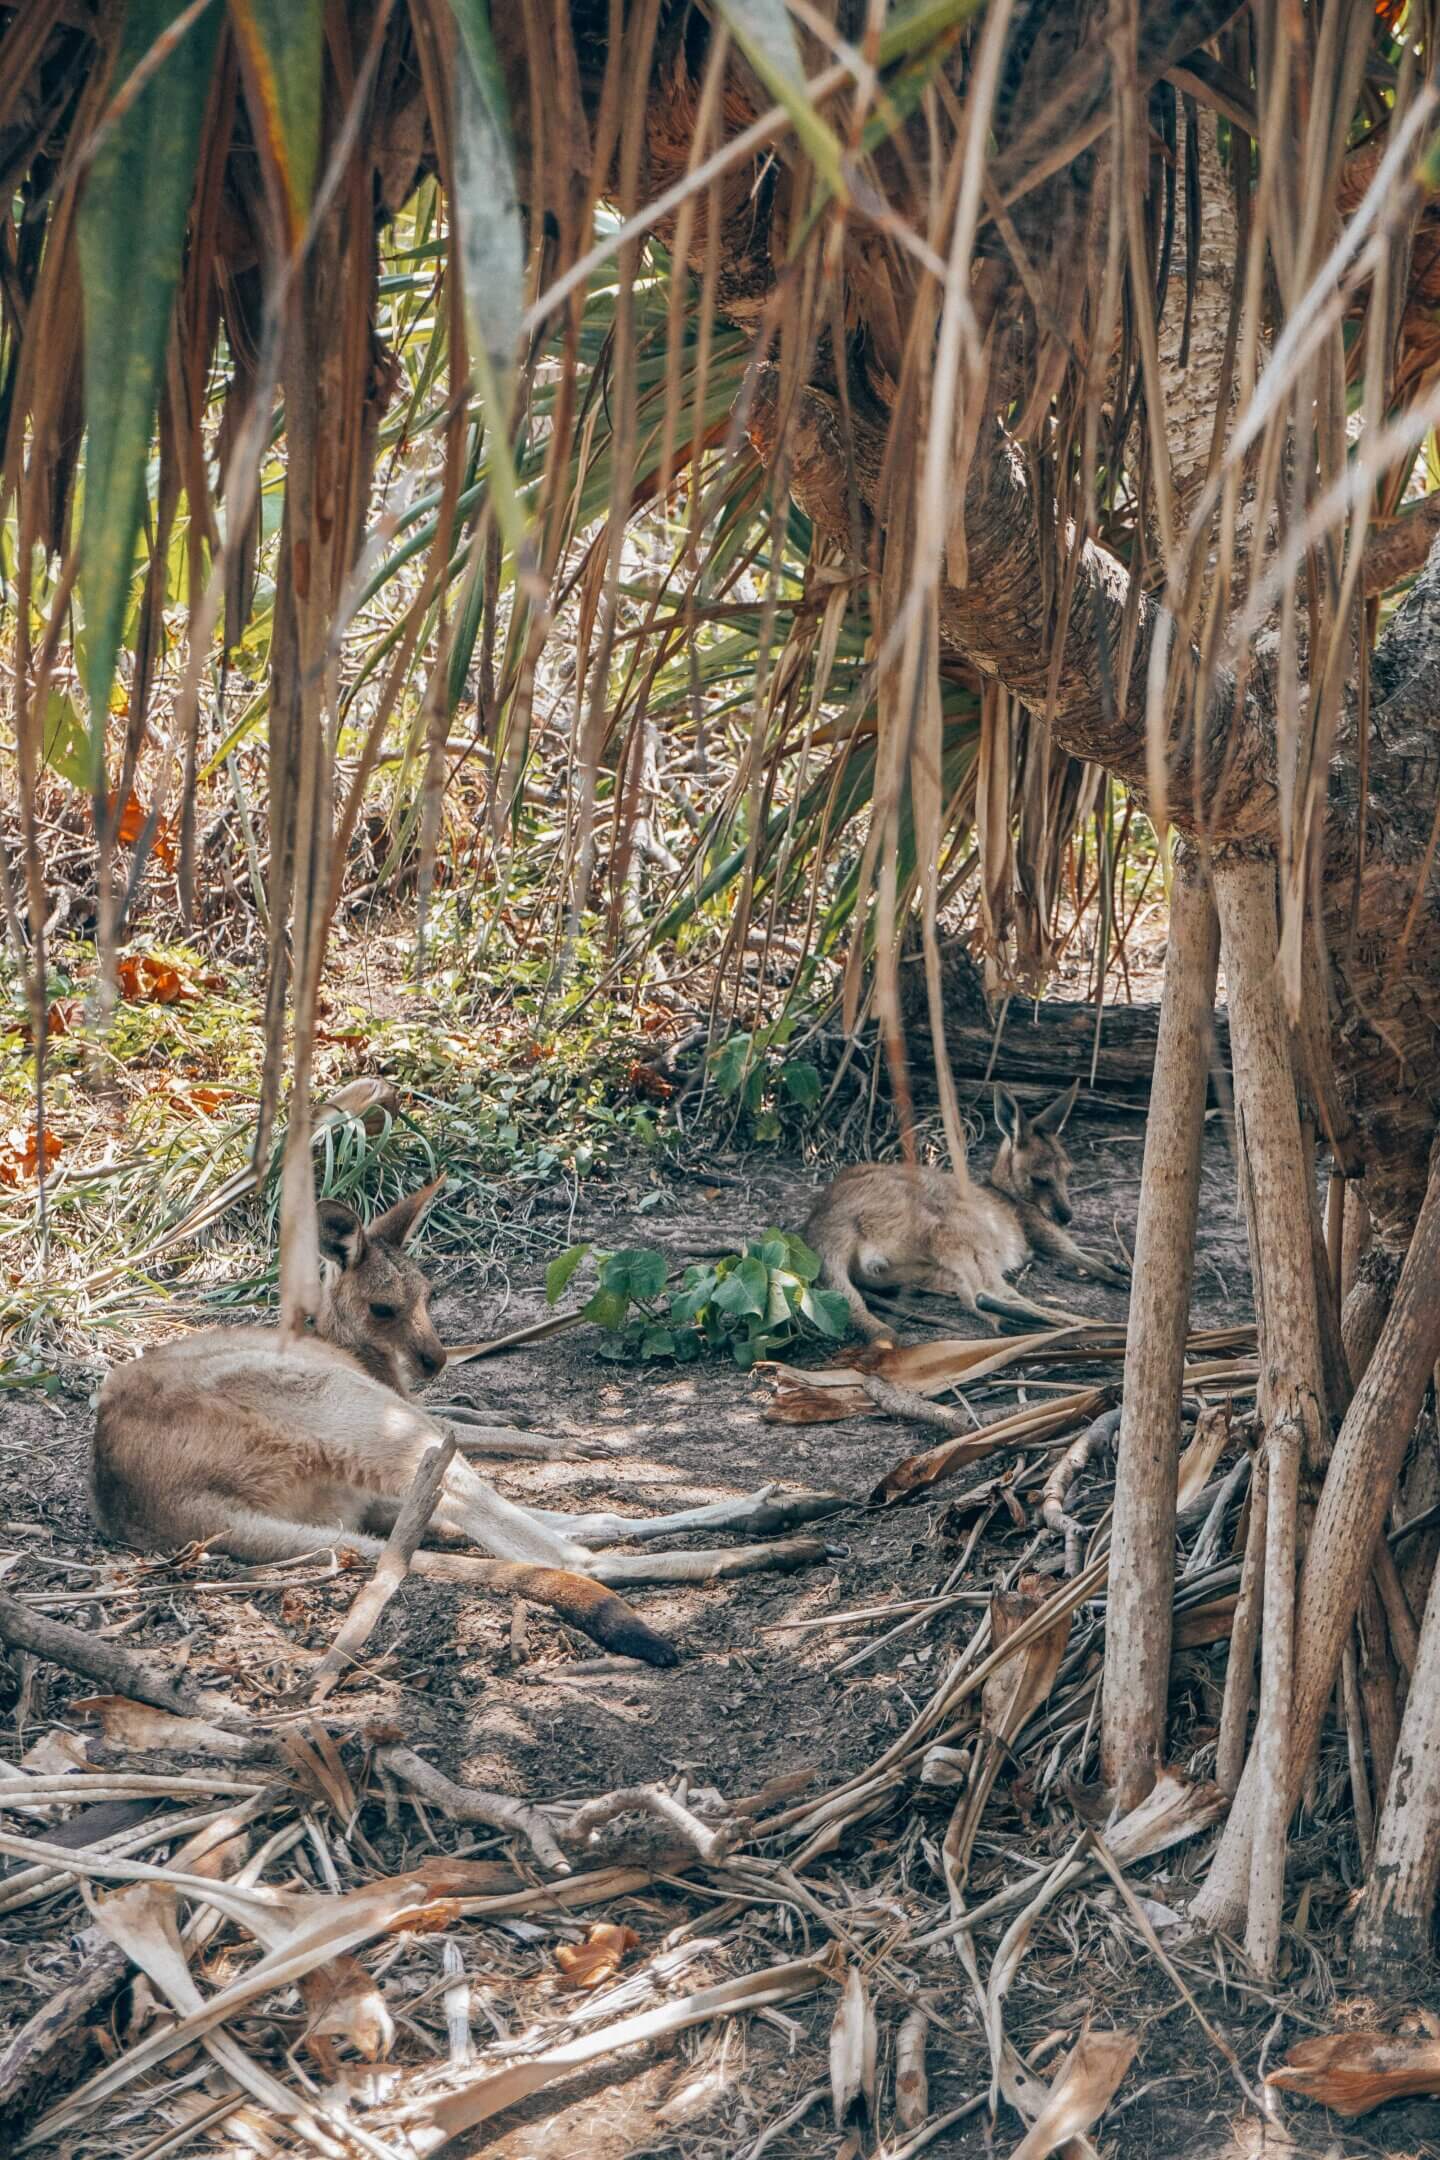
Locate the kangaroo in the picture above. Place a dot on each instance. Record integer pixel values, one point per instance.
(267, 1448)
(892, 1226)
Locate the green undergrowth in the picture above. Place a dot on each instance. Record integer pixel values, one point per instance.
(150, 1122)
(748, 1305)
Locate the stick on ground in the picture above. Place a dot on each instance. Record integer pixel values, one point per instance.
(391, 1568)
(118, 1671)
(467, 1803)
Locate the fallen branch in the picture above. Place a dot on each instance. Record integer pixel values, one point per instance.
(391, 1568)
(118, 1671)
(467, 1803)
(708, 1844)
(1099, 1434)
(904, 1402)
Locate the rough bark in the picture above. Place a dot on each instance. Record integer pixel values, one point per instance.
(1352, 1508)
(1277, 1672)
(1397, 1915)
(1277, 1176)
(1244, 1635)
(1138, 1618)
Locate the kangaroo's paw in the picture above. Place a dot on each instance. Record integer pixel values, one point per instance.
(1016, 1308)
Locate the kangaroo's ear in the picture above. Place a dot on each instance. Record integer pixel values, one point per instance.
(1053, 1117)
(1008, 1115)
(342, 1234)
(399, 1224)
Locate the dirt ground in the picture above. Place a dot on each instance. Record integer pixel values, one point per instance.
(753, 1699)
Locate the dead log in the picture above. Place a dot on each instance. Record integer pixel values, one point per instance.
(1045, 1043)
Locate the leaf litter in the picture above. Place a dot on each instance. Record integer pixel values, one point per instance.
(308, 1947)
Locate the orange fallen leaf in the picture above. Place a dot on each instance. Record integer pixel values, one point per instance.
(146, 980)
(59, 1020)
(1353, 2072)
(587, 1964)
(20, 1155)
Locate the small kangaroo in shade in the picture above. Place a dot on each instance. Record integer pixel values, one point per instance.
(266, 1448)
(886, 1226)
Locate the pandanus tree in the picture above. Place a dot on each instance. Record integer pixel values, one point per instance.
(1080, 354)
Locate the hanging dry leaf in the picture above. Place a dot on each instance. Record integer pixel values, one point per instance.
(372, 1100)
(1353, 2072)
(853, 2048)
(1012, 1695)
(1083, 2088)
(1206, 1445)
(587, 1964)
(1008, 1700)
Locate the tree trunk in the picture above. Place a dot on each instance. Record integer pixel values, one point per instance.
(1353, 1504)
(1277, 1177)
(1397, 1917)
(1142, 1566)
(1044, 1042)
(1221, 766)
(1277, 1672)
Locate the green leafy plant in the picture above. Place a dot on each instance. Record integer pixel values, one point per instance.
(752, 1069)
(752, 1304)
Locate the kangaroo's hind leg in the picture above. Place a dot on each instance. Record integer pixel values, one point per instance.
(595, 1610)
(836, 1277)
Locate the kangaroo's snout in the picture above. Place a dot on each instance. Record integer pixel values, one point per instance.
(430, 1357)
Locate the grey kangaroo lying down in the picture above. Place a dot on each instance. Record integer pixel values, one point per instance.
(265, 1449)
(890, 1227)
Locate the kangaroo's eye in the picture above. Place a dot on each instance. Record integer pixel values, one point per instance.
(382, 1312)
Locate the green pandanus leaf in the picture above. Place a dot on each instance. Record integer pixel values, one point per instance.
(131, 234)
(492, 246)
(282, 53)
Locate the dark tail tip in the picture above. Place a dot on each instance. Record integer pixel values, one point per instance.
(596, 1611)
(618, 1627)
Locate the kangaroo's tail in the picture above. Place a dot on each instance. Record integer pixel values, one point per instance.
(586, 1605)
